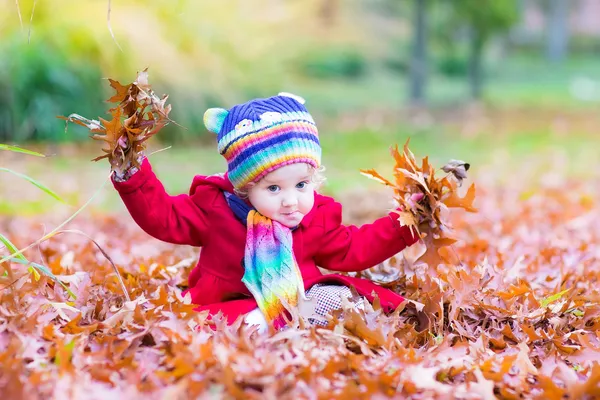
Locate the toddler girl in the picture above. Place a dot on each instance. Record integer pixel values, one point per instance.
(262, 226)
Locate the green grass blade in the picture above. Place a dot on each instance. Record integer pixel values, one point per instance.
(36, 274)
(36, 183)
(17, 149)
(11, 247)
(59, 227)
(45, 271)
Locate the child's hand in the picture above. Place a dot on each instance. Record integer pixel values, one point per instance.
(414, 199)
(123, 171)
(415, 207)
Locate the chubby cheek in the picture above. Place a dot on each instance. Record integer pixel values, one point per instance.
(306, 203)
(269, 209)
(267, 206)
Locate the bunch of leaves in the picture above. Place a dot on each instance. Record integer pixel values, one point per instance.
(138, 115)
(519, 318)
(424, 200)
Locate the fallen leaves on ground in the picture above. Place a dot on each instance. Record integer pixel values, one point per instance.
(518, 317)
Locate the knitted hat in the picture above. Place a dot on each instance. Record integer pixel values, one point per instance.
(262, 135)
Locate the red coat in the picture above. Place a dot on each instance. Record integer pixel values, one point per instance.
(203, 218)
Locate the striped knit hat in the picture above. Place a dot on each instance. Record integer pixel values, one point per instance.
(262, 135)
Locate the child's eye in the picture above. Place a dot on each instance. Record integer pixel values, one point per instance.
(273, 188)
(301, 185)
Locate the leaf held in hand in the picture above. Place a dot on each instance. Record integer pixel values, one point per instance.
(466, 202)
(371, 173)
(138, 115)
(422, 197)
(458, 169)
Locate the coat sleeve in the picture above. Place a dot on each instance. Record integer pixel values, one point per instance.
(348, 248)
(180, 219)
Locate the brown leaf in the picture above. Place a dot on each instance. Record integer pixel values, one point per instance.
(466, 202)
(131, 124)
(122, 92)
(458, 169)
(372, 174)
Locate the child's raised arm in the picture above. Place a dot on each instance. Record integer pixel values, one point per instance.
(178, 219)
(348, 248)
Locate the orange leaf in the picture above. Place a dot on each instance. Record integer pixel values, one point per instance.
(372, 174)
(122, 91)
(465, 202)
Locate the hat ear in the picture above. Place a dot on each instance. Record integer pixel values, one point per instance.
(214, 118)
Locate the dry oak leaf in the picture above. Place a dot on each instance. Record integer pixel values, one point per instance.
(457, 168)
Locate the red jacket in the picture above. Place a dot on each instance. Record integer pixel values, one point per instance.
(203, 218)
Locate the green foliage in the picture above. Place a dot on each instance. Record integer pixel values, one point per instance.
(397, 57)
(397, 63)
(477, 21)
(335, 62)
(200, 53)
(452, 65)
(206, 54)
(486, 17)
(39, 81)
(581, 44)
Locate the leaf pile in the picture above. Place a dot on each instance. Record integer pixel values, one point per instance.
(425, 200)
(518, 318)
(138, 115)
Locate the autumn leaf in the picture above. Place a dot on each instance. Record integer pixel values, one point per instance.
(458, 169)
(408, 219)
(138, 115)
(511, 310)
(454, 200)
(432, 256)
(122, 91)
(422, 197)
(372, 174)
(458, 318)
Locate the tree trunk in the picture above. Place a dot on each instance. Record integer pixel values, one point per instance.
(418, 64)
(557, 30)
(476, 64)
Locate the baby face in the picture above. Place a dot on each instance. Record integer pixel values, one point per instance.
(285, 195)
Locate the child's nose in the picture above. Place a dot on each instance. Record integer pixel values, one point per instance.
(289, 201)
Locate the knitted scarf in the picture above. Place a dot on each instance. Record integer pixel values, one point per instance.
(271, 272)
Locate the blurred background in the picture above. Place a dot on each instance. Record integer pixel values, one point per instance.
(512, 86)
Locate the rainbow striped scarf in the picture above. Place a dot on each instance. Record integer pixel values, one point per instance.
(271, 272)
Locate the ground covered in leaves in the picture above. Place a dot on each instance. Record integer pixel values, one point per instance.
(518, 316)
